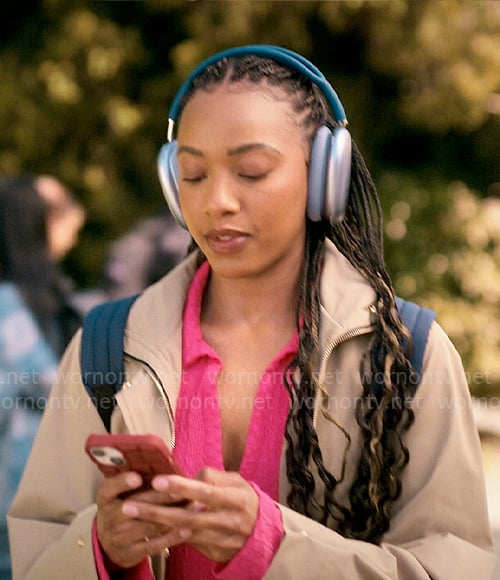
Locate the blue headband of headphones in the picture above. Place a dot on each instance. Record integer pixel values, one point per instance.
(283, 55)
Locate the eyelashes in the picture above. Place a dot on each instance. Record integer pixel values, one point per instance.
(245, 176)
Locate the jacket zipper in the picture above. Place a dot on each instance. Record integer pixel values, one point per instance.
(334, 343)
(161, 389)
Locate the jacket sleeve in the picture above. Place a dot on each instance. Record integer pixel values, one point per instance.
(439, 526)
(50, 520)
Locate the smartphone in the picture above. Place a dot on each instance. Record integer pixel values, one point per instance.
(146, 454)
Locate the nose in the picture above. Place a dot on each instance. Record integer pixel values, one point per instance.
(221, 196)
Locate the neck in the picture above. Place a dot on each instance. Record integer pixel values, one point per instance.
(256, 301)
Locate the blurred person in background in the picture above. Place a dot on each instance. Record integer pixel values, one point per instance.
(137, 259)
(39, 224)
(142, 256)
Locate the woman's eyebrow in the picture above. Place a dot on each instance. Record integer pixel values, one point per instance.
(245, 148)
(190, 150)
(250, 147)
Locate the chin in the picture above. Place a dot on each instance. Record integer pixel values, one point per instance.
(233, 267)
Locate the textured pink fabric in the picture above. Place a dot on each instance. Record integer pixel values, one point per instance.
(199, 444)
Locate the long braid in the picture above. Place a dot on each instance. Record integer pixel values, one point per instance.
(383, 420)
(301, 437)
(385, 368)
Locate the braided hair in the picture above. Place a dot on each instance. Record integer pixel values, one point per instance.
(382, 418)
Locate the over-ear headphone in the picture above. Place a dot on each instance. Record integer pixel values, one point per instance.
(330, 161)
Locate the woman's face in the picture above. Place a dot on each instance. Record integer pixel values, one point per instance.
(243, 180)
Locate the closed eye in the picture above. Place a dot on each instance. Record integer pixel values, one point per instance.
(254, 176)
(193, 179)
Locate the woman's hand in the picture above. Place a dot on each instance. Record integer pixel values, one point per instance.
(217, 521)
(125, 540)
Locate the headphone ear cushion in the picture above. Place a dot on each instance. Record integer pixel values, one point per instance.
(318, 166)
(338, 175)
(169, 179)
(329, 174)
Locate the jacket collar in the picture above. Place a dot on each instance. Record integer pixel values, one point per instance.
(155, 321)
(346, 297)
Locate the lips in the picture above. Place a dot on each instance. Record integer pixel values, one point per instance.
(226, 241)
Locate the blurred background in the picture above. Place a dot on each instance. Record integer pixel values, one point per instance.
(85, 88)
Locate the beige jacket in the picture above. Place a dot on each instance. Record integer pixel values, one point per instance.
(439, 527)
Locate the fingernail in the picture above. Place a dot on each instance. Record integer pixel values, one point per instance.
(161, 483)
(132, 480)
(130, 510)
(196, 506)
(184, 533)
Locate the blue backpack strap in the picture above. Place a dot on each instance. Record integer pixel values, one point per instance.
(101, 356)
(418, 321)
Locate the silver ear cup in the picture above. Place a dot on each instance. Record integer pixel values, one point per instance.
(338, 175)
(169, 179)
(318, 162)
(329, 174)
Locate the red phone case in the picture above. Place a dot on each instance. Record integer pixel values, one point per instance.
(146, 454)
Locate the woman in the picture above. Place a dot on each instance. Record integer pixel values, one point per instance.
(274, 359)
(38, 224)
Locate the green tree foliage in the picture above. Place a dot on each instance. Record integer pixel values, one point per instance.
(85, 88)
